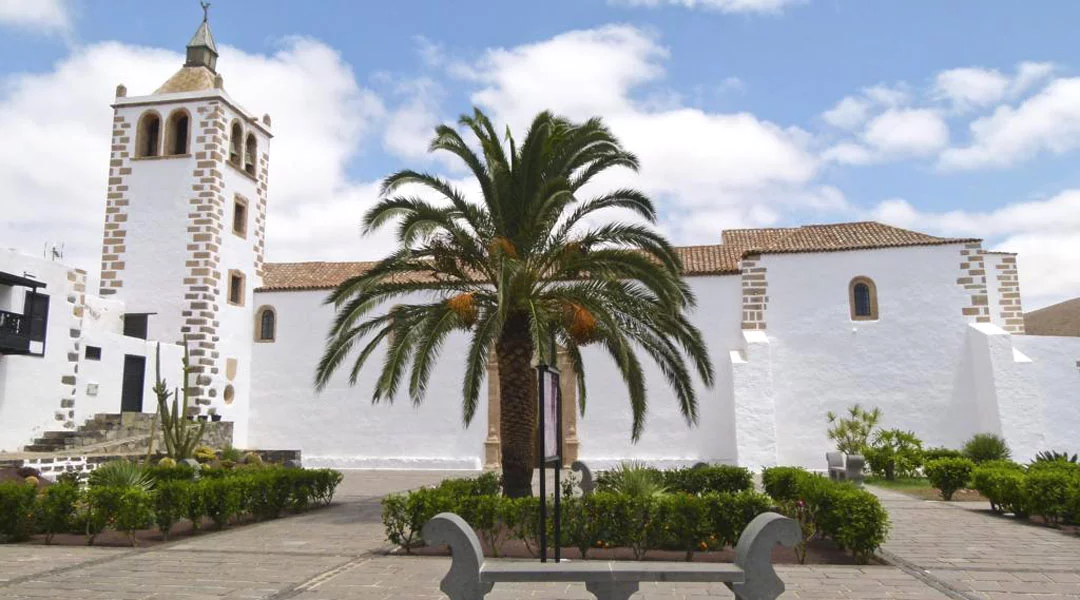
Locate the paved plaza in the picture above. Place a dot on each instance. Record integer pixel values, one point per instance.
(944, 551)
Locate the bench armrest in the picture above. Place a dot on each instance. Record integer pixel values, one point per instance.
(753, 553)
(462, 581)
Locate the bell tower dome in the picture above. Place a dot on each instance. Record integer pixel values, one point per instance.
(185, 220)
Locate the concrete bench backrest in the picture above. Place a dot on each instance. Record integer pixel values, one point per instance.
(835, 460)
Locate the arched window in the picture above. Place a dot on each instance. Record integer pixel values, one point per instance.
(176, 134)
(236, 144)
(250, 154)
(862, 295)
(148, 136)
(265, 324)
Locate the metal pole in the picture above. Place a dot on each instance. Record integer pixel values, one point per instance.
(540, 455)
(558, 467)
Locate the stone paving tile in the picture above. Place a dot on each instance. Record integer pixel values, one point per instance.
(17, 561)
(981, 555)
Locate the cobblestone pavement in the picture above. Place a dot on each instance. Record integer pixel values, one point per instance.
(969, 553)
(336, 554)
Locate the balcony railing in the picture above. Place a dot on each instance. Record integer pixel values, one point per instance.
(14, 333)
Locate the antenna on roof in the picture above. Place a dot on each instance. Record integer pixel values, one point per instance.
(53, 252)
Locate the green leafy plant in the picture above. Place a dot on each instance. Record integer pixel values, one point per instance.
(230, 453)
(253, 459)
(852, 433)
(121, 474)
(801, 513)
(222, 499)
(782, 483)
(895, 453)
(686, 522)
(1055, 456)
(1047, 491)
(56, 509)
(204, 454)
(1003, 485)
(949, 475)
(633, 479)
(986, 446)
(178, 472)
(181, 435)
(17, 510)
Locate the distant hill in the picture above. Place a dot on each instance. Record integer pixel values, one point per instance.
(1060, 319)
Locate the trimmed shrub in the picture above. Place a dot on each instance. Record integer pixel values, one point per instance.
(222, 498)
(711, 478)
(17, 510)
(865, 523)
(126, 509)
(895, 453)
(177, 472)
(949, 475)
(930, 454)
(782, 482)
(1004, 487)
(1047, 492)
(56, 509)
(986, 446)
(171, 501)
(686, 522)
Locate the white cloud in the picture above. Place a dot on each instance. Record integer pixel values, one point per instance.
(1044, 233)
(53, 181)
(724, 6)
(848, 113)
(907, 132)
(1029, 74)
(39, 15)
(970, 87)
(411, 125)
(708, 170)
(1049, 121)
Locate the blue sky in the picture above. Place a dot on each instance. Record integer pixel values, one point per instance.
(960, 118)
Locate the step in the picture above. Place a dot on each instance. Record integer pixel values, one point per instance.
(59, 435)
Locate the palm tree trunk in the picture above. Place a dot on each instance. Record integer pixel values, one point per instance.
(517, 391)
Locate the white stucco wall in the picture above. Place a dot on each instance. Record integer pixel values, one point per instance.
(341, 427)
(30, 386)
(1055, 363)
(100, 382)
(910, 362)
(604, 431)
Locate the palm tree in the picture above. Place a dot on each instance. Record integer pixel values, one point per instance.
(518, 270)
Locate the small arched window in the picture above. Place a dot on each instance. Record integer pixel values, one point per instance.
(265, 324)
(250, 154)
(148, 135)
(176, 133)
(862, 295)
(236, 144)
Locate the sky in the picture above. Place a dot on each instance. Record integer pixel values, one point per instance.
(957, 118)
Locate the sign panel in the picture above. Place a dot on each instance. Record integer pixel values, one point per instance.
(550, 385)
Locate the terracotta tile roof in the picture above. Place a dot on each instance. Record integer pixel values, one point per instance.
(1060, 319)
(716, 259)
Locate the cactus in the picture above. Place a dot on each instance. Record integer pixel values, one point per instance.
(181, 435)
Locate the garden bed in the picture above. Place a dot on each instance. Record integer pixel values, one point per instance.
(921, 488)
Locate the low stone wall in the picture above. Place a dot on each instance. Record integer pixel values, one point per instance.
(52, 466)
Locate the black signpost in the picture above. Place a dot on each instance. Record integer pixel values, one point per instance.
(549, 450)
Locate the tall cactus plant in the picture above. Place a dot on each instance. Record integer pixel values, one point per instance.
(181, 435)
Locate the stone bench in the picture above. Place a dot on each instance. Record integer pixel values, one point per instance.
(845, 467)
(751, 577)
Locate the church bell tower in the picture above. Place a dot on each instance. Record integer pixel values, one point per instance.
(185, 222)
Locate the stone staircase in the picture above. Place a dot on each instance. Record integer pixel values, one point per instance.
(118, 432)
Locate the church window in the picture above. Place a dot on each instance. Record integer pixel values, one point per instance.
(177, 133)
(93, 353)
(265, 324)
(229, 394)
(240, 216)
(236, 144)
(862, 295)
(236, 288)
(148, 136)
(250, 154)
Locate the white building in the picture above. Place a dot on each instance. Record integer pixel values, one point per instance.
(799, 321)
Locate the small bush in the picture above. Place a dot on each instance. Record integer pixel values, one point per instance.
(852, 433)
(1003, 486)
(986, 446)
(782, 482)
(1047, 491)
(56, 509)
(172, 499)
(167, 462)
(126, 509)
(930, 454)
(121, 474)
(712, 478)
(222, 498)
(895, 453)
(865, 522)
(633, 479)
(204, 454)
(177, 472)
(252, 458)
(231, 454)
(949, 475)
(17, 510)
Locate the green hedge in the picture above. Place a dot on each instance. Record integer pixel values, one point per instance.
(220, 494)
(689, 522)
(949, 474)
(851, 516)
(1049, 489)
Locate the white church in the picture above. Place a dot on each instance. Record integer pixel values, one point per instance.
(799, 321)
